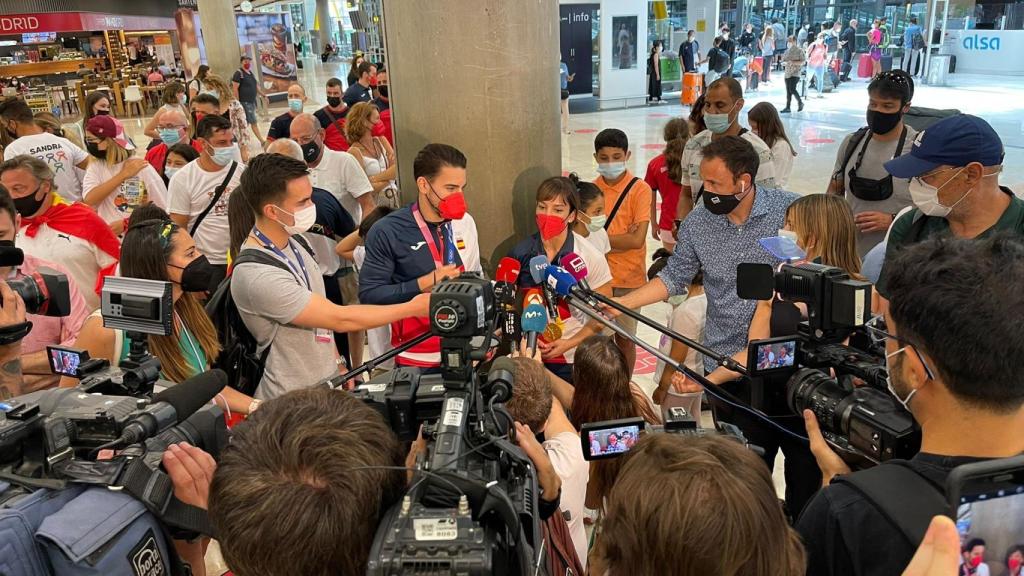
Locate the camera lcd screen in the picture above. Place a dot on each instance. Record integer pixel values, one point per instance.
(610, 439)
(65, 361)
(773, 355)
(991, 528)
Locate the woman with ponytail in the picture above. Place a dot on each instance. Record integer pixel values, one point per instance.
(663, 175)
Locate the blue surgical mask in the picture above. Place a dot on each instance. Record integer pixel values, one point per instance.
(717, 123)
(224, 156)
(295, 105)
(611, 170)
(170, 136)
(170, 171)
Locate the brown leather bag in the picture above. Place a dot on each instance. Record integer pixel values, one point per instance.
(562, 557)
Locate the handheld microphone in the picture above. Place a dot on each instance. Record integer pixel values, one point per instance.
(577, 267)
(510, 326)
(505, 281)
(537, 266)
(559, 280)
(174, 405)
(535, 320)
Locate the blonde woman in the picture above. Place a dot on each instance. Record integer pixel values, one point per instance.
(50, 123)
(373, 153)
(115, 184)
(232, 109)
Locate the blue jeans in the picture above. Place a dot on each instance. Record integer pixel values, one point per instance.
(819, 78)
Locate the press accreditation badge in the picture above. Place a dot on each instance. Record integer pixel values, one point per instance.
(324, 336)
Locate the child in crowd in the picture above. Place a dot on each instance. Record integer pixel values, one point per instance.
(630, 200)
(591, 217)
(765, 122)
(663, 174)
(351, 248)
(687, 319)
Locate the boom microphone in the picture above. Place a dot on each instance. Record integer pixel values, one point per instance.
(505, 281)
(563, 284)
(174, 405)
(574, 265)
(537, 266)
(535, 320)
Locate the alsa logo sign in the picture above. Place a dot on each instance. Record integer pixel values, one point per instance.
(977, 42)
(18, 23)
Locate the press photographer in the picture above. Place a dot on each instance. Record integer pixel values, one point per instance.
(954, 360)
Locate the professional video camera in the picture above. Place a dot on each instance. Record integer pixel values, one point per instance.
(54, 438)
(139, 307)
(474, 508)
(44, 292)
(791, 373)
(613, 438)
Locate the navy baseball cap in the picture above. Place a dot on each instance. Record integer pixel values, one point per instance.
(954, 141)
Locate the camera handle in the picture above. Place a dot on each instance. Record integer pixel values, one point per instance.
(720, 359)
(709, 387)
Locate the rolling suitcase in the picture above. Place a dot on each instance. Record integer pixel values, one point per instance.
(886, 62)
(864, 67)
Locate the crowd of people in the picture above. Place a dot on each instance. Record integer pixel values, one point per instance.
(920, 214)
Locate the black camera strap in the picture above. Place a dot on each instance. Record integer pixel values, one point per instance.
(907, 499)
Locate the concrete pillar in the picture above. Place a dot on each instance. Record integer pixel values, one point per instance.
(323, 17)
(220, 36)
(481, 75)
(702, 16)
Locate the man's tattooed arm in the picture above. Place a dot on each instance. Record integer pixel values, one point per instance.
(10, 371)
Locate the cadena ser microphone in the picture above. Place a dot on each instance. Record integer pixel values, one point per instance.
(535, 320)
(505, 281)
(174, 405)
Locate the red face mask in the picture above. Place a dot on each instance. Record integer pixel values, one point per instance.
(453, 207)
(247, 65)
(199, 116)
(975, 561)
(550, 225)
(1013, 564)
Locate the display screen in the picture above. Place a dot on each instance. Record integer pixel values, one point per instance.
(612, 441)
(64, 361)
(991, 527)
(38, 37)
(776, 355)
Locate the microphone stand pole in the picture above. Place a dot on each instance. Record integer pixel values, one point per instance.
(369, 365)
(720, 359)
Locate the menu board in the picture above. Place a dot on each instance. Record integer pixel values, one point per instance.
(267, 39)
(38, 37)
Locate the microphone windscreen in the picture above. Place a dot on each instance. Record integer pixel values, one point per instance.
(538, 264)
(559, 280)
(575, 265)
(533, 296)
(535, 318)
(508, 270)
(755, 281)
(194, 393)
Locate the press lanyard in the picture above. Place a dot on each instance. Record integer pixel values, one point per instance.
(191, 344)
(270, 246)
(429, 239)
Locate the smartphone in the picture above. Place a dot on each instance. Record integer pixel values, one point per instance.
(610, 438)
(773, 355)
(65, 361)
(987, 502)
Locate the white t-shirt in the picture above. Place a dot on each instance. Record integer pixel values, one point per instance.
(566, 455)
(692, 157)
(598, 274)
(600, 241)
(146, 186)
(82, 259)
(340, 174)
(190, 192)
(378, 340)
(782, 156)
(59, 154)
(687, 319)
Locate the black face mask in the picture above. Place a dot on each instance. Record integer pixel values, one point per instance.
(382, 89)
(27, 206)
(94, 149)
(882, 122)
(721, 204)
(102, 112)
(333, 101)
(311, 151)
(197, 275)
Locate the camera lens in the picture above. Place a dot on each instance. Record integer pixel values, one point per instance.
(810, 389)
(28, 289)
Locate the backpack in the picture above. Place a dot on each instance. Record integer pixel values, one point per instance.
(562, 557)
(240, 356)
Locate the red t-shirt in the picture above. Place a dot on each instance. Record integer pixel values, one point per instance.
(657, 178)
(334, 131)
(157, 155)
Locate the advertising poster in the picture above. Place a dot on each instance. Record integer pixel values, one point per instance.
(624, 43)
(193, 52)
(267, 39)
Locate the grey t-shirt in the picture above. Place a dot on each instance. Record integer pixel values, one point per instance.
(268, 299)
(876, 155)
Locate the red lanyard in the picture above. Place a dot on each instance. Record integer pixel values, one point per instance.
(427, 236)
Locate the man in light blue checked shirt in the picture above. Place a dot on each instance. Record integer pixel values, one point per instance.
(718, 235)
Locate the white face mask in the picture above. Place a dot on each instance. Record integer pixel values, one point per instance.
(888, 381)
(788, 234)
(596, 223)
(926, 197)
(304, 219)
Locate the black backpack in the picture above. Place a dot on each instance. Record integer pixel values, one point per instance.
(240, 356)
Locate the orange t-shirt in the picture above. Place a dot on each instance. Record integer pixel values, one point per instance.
(628, 267)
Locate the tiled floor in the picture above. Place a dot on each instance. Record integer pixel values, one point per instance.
(817, 133)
